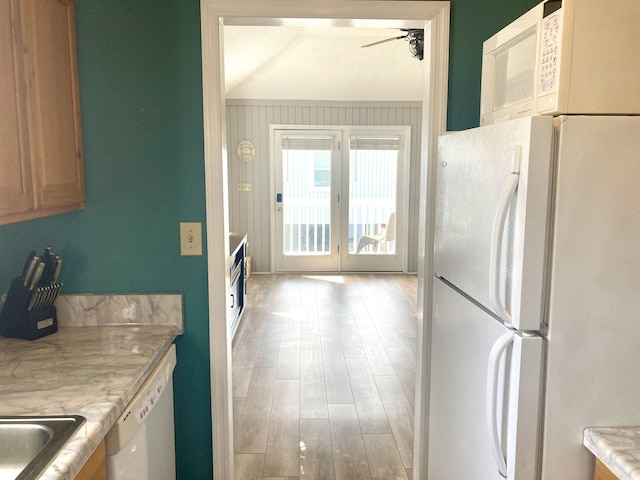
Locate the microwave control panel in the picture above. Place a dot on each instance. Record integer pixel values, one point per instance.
(550, 36)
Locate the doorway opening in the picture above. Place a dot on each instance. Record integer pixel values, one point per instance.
(433, 17)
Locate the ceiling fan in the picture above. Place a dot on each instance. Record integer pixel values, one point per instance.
(415, 37)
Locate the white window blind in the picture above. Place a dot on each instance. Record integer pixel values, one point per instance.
(307, 143)
(374, 143)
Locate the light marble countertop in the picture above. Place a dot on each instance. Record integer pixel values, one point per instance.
(93, 371)
(617, 448)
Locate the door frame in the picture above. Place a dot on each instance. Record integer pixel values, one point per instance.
(378, 263)
(336, 134)
(215, 14)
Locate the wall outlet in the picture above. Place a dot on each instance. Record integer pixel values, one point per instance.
(190, 238)
(245, 187)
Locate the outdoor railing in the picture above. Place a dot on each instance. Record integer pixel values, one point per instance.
(307, 224)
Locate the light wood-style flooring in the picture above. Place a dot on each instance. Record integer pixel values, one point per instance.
(323, 378)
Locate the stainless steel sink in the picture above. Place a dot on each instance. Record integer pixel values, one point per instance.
(29, 444)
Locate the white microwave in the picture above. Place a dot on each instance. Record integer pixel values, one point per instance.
(564, 57)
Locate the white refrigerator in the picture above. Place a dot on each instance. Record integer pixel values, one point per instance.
(535, 329)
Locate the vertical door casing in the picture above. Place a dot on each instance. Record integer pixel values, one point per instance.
(48, 28)
(462, 338)
(473, 168)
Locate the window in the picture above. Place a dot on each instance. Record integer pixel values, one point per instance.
(322, 170)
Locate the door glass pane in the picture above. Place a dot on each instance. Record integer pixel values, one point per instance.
(373, 180)
(306, 202)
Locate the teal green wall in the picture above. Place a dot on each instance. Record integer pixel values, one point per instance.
(472, 22)
(141, 95)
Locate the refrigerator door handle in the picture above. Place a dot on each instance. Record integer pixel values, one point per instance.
(497, 351)
(495, 255)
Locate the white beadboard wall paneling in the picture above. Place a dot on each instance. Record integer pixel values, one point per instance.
(250, 212)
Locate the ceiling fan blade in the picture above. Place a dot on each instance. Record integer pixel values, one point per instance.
(384, 41)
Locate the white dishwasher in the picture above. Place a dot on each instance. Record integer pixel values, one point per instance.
(141, 444)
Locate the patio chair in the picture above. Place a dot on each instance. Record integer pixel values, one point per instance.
(380, 240)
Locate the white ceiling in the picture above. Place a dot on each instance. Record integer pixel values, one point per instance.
(319, 63)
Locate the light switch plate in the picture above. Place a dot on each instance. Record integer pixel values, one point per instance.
(190, 238)
(245, 187)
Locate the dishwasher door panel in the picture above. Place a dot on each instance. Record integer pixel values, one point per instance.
(141, 444)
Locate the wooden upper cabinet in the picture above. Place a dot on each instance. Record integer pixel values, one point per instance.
(46, 63)
(16, 194)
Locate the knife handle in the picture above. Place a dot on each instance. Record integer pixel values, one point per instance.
(28, 270)
(57, 266)
(36, 276)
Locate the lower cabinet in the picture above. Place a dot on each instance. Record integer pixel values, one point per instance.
(96, 466)
(602, 472)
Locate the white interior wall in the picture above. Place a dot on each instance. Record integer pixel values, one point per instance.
(250, 212)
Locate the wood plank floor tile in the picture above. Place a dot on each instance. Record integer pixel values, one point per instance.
(250, 434)
(310, 333)
(246, 352)
(404, 364)
(313, 394)
(248, 466)
(269, 349)
(241, 378)
(350, 337)
(360, 312)
(388, 335)
(400, 415)
(384, 459)
(371, 413)
(336, 376)
(282, 454)
(289, 353)
(349, 455)
(238, 407)
(316, 456)
(375, 351)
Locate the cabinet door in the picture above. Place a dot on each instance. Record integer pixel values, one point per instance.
(602, 472)
(96, 467)
(49, 36)
(15, 170)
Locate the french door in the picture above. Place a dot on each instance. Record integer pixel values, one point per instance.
(307, 184)
(341, 198)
